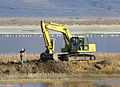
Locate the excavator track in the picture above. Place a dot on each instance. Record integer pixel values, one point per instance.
(67, 57)
(76, 57)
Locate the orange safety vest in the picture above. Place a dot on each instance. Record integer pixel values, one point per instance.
(21, 53)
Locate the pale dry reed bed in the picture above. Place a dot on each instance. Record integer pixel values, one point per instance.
(108, 56)
(16, 57)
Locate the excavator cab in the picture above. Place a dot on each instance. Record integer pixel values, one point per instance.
(79, 43)
(79, 49)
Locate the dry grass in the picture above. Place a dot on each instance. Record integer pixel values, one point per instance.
(108, 56)
(16, 58)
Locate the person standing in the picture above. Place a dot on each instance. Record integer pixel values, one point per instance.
(22, 55)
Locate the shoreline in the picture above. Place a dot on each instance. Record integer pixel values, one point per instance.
(87, 26)
(74, 29)
(50, 79)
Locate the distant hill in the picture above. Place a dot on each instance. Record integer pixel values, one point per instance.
(59, 8)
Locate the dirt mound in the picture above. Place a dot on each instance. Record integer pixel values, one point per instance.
(32, 67)
(56, 67)
(36, 66)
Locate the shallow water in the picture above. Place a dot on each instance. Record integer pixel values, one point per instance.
(35, 43)
(67, 84)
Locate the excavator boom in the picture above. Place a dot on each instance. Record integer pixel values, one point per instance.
(48, 42)
(60, 28)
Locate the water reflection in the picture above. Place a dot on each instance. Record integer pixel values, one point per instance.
(35, 43)
(68, 84)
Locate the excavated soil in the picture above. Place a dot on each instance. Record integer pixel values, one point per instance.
(35, 67)
(32, 67)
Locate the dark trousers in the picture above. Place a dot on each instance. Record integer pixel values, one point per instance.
(21, 57)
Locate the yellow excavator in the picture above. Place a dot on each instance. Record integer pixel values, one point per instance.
(77, 48)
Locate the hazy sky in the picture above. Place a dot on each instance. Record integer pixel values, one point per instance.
(35, 1)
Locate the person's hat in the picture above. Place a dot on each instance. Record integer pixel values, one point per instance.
(23, 49)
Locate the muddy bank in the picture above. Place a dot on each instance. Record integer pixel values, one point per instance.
(106, 66)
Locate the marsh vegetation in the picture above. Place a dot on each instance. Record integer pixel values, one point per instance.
(10, 67)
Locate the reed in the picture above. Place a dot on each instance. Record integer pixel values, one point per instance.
(108, 56)
(15, 57)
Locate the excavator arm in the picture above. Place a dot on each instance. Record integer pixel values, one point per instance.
(48, 42)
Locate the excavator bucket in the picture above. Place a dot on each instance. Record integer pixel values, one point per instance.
(47, 57)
